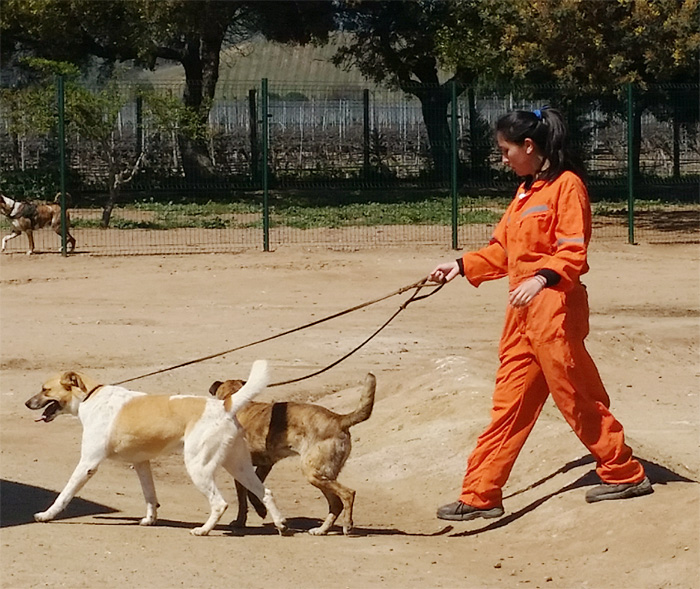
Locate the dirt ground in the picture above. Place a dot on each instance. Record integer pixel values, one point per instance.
(118, 318)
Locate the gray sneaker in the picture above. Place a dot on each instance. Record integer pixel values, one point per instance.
(623, 491)
(459, 511)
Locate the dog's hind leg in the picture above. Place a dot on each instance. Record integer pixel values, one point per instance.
(244, 495)
(339, 499)
(30, 237)
(204, 481)
(70, 240)
(201, 466)
(143, 470)
(239, 466)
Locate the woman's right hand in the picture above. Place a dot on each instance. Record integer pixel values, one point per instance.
(444, 272)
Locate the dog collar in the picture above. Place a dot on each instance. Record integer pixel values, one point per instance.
(91, 391)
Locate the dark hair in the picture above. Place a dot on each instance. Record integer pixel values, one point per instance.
(547, 130)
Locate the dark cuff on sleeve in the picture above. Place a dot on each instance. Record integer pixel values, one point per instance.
(460, 263)
(550, 276)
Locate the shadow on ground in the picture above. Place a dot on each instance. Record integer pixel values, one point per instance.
(19, 502)
(658, 475)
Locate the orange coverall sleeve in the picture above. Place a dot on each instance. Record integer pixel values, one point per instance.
(572, 233)
(490, 262)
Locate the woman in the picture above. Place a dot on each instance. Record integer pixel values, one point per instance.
(540, 244)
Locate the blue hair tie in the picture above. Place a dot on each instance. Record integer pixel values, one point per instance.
(538, 112)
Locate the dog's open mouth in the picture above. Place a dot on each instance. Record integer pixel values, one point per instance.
(50, 411)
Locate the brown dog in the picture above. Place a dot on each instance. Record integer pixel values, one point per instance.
(320, 437)
(27, 216)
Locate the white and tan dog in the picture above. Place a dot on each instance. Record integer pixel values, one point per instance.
(26, 216)
(135, 428)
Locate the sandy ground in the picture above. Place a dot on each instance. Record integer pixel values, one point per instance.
(119, 318)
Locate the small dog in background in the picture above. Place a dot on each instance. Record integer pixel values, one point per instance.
(27, 216)
(320, 437)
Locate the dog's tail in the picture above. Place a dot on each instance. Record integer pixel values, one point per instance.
(364, 409)
(69, 199)
(258, 379)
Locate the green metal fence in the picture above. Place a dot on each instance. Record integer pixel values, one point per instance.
(270, 164)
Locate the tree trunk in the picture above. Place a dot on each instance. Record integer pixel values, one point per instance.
(434, 101)
(110, 203)
(676, 146)
(434, 108)
(196, 161)
(201, 62)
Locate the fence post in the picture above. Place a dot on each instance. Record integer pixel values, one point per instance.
(453, 167)
(265, 140)
(254, 146)
(60, 91)
(365, 133)
(630, 163)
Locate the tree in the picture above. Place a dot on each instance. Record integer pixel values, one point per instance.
(586, 48)
(92, 115)
(189, 32)
(396, 43)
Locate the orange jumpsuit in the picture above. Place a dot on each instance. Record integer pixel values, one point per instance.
(547, 226)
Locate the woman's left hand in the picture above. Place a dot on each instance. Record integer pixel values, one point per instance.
(522, 295)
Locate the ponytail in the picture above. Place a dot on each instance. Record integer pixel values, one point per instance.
(547, 130)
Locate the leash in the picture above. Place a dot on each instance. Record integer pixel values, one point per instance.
(418, 286)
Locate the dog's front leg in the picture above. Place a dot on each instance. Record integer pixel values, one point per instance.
(244, 473)
(8, 238)
(81, 475)
(143, 470)
(242, 515)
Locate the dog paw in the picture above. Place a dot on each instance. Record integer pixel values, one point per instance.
(318, 531)
(199, 532)
(148, 521)
(43, 516)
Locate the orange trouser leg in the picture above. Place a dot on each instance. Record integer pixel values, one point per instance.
(518, 399)
(578, 391)
(542, 351)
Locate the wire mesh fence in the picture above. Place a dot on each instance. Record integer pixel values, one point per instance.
(334, 166)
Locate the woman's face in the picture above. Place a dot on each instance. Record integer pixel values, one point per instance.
(524, 159)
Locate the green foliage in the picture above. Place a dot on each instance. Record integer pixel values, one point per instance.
(169, 115)
(582, 46)
(219, 215)
(93, 114)
(50, 67)
(29, 110)
(30, 184)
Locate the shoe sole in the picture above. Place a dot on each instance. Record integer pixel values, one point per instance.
(637, 491)
(485, 513)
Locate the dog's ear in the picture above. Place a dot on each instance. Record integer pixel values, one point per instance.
(72, 379)
(215, 387)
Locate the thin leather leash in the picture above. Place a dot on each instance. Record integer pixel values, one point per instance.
(417, 286)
